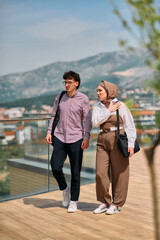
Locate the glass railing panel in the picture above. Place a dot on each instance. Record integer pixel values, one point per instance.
(36, 156)
(23, 159)
(11, 148)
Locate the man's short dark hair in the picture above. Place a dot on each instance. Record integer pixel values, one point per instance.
(71, 74)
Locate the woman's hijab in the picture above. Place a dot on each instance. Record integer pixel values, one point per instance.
(111, 90)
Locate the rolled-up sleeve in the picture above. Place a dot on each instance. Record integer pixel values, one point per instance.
(100, 114)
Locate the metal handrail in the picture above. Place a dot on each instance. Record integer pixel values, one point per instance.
(24, 119)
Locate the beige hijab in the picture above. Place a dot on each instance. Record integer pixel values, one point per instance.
(111, 91)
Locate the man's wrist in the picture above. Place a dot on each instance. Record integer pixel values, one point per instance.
(86, 139)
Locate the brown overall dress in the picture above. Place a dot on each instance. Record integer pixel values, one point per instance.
(108, 156)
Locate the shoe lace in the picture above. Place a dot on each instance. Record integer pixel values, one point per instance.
(114, 208)
(102, 205)
(72, 204)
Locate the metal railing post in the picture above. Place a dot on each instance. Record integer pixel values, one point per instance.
(48, 170)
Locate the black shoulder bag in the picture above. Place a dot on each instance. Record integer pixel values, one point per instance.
(122, 141)
(56, 117)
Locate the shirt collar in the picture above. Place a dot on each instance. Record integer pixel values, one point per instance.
(73, 95)
(113, 100)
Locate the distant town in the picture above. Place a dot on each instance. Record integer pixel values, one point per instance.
(144, 105)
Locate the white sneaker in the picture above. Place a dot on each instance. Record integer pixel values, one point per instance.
(65, 197)
(72, 207)
(112, 209)
(102, 208)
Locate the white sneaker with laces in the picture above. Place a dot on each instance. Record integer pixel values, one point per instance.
(112, 209)
(102, 208)
(72, 207)
(65, 197)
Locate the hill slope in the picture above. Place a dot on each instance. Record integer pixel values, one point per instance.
(124, 68)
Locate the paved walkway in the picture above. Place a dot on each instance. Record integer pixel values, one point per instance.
(42, 217)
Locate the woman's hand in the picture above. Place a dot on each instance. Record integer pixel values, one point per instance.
(114, 106)
(131, 151)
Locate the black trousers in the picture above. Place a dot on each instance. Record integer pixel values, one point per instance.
(75, 153)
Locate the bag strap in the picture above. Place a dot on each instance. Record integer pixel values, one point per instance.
(57, 111)
(61, 95)
(117, 113)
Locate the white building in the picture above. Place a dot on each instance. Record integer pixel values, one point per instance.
(145, 117)
(14, 112)
(20, 134)
(27, 132)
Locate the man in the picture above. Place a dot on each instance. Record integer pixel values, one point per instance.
(71, 136)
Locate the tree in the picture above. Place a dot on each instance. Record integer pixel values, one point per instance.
(146, 18)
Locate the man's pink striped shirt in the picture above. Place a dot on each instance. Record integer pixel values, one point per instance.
(75, 118)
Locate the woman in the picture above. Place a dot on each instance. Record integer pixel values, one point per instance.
(109, 159)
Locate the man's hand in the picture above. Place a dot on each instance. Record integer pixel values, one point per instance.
(131, 151)
(49, 138)
(85, 144)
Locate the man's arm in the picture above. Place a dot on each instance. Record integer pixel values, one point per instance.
(87, 123)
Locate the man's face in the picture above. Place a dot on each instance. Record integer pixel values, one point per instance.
(70, 84)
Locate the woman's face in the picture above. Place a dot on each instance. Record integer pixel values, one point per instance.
(101, 93)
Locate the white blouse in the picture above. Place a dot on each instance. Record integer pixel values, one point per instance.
(100, 114)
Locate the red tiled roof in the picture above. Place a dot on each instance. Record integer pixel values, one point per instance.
(9, 133)
(152, 131)
(135, 105)
(20, 127)
(147, 112)
(140, 132)
(147, 131)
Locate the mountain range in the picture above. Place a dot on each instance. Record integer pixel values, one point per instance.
(127, 69)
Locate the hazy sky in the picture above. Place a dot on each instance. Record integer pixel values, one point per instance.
(34, 33)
